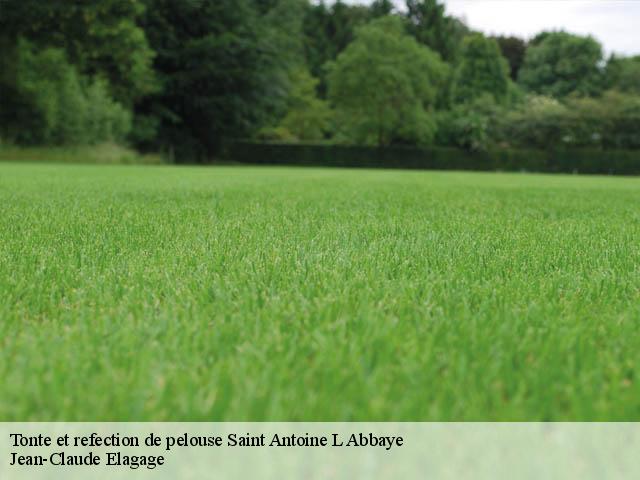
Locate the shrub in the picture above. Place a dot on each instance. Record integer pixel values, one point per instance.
(308, 118)
(467, 125)
(107, 119)
(460, 127)
(276, 134)
(538, 123)
(609, 122)
(612, 121)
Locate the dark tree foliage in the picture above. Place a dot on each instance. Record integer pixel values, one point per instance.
(215, 73)
(380, 8)
(513, 49)
(431, 26)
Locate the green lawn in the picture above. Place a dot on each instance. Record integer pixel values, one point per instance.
(186, 293)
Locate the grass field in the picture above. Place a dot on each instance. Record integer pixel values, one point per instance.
(185, 293)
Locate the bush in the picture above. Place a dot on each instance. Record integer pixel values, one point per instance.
(538, 123)
(308, 118)
(612, 121)
(276, 134)
(467, 125)
(609, 122)
(463, 128)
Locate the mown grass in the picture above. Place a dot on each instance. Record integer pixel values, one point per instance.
(185, 293)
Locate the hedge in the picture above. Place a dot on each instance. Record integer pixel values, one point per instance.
(619, 162)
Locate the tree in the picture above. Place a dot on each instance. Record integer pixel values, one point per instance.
(540, 122)
(307, 118)
(328, 31)
(384, 85)
(513, 49)
(51, 103)
(482, 70)
(282, 38)
(216, 67)
(611, 121)
(430, 25)
(559, 63)
(99, 39)
(623, 74)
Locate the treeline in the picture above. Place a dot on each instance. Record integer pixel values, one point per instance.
(183, 77)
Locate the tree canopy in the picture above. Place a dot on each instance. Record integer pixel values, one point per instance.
(482, 70)
(513, 49)
(559, 63)
(623, 74)
(307, 118)
(329, 29)
(431, 26)
(384, 85)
